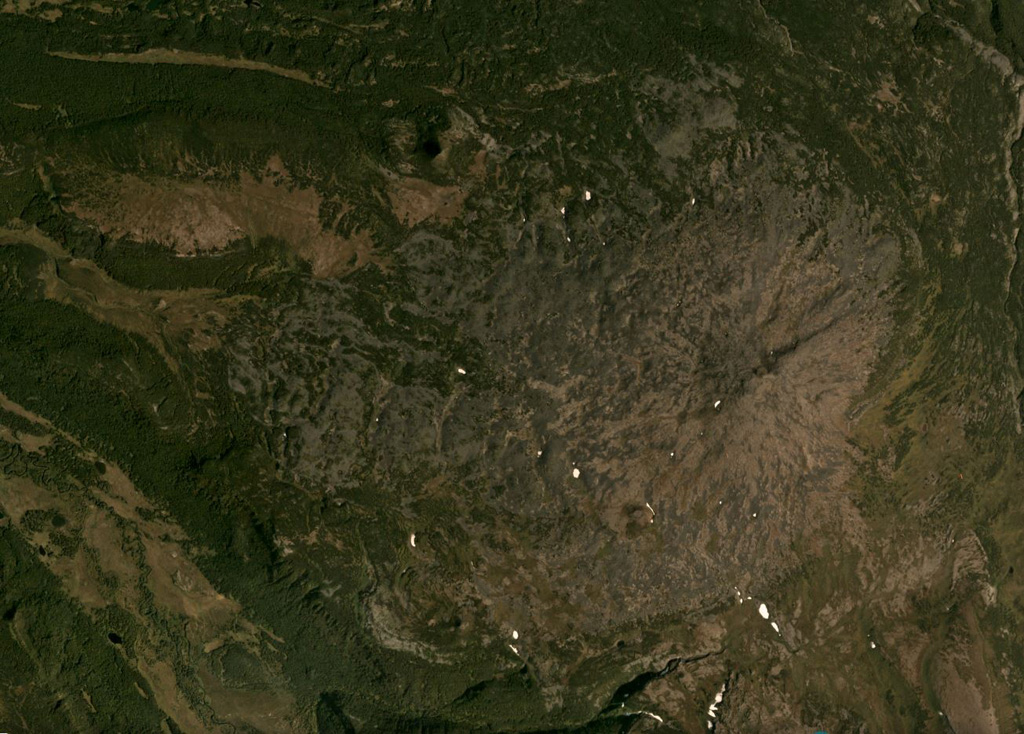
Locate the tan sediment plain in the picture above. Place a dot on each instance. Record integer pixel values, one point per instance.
(416, 200)
(193, 215)
(131, 557)
(190, 58)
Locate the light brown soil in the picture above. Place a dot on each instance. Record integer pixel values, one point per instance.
(415, 200)
(193, 215)
(189, 58)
